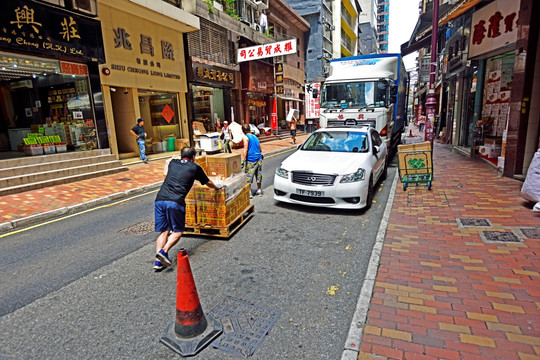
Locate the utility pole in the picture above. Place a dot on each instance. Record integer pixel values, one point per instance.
(431, 101)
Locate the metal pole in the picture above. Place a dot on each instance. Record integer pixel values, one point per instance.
(431, 101)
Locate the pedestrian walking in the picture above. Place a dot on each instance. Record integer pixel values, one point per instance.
(138, 131)
(292, 126)
(170, 204)
(226, 136)
(252, 159)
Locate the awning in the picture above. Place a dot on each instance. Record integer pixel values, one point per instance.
(458, 10)
(289, 98)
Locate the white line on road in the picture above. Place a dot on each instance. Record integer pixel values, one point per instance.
(354, 339)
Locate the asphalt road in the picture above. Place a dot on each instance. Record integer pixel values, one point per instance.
(84, 286)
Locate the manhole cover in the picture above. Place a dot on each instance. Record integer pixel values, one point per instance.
(531, 233)
(473, 222)
(499, 236)
(124, 179)
(244, 326)
(141, 228)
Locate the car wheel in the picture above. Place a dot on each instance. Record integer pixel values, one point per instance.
(369, 198)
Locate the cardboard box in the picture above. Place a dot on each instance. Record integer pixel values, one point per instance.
(224, 165)
(179, 144)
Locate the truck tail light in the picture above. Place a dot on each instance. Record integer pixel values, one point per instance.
(384, 131)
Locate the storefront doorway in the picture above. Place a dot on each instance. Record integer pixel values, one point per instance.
(208, 107)
(46, 98)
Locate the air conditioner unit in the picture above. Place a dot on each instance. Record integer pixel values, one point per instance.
(255, 27)
(23, 84)
(261, 4)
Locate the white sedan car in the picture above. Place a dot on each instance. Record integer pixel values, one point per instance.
(335, 167)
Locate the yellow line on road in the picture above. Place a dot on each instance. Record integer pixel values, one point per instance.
(76, 214)
(100, 207)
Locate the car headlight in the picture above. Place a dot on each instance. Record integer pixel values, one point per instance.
(359, 175)
(282, 172)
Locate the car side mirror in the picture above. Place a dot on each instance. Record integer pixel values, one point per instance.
(299, 146)
(376, 150)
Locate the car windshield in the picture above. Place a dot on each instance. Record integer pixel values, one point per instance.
(340, 141)
(353, 94)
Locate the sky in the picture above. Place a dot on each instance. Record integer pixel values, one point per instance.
(403, 18)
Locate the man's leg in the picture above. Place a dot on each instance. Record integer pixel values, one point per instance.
(259, 177)
(171, 241)
(161, 240)
(142, 149)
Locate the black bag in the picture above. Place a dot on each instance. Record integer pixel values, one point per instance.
(222, 136)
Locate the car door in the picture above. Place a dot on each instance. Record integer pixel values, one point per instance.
(380, 156)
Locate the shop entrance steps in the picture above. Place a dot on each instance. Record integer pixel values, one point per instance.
(36, 172)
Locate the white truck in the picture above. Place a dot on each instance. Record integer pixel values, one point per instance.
(367, 89)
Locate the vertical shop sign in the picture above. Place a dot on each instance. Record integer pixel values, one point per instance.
(493, 27)
(312, 105)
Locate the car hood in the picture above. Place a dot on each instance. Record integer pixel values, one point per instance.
(324, 162)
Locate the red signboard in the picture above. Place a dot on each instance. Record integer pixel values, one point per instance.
(73, 68)
(274, 114)
(167, 113)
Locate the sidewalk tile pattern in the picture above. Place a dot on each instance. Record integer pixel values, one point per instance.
(443, 293)
(55, 197)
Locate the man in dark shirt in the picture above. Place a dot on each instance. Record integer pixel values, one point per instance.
(170, 205)
(138, 131)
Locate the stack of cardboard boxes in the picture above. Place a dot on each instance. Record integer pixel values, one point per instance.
(208, 207)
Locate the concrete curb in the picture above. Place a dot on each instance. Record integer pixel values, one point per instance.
(33, 219)
(354, 338)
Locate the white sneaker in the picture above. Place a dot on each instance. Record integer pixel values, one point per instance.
(259, 193)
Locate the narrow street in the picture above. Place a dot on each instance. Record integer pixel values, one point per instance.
(89, 284)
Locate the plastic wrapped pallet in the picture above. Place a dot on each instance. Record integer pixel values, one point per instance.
(222, 212)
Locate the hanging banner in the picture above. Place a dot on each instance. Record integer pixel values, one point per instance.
(268, 50)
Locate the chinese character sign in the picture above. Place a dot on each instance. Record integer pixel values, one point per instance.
(269, 50)
(312, 105)
(494, 26)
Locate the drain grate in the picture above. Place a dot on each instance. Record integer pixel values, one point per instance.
(531, 233)
(141, 228)
(499, 236)
(244, 326)
(473, 223)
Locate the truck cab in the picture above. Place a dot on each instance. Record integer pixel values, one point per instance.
(365, 90)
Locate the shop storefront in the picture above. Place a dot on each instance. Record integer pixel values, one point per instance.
(212, 90)
(49, 80)
(144, 76)
(493, 37)
(289, 93)
(257, 88)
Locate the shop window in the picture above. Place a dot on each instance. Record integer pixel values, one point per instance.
(85, 6)
(208, 107)
(163, 111)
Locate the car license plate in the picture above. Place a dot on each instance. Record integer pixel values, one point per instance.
(310, 192)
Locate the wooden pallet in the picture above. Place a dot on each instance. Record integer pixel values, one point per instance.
(221, 232)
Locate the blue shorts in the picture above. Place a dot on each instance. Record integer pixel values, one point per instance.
(169, 216)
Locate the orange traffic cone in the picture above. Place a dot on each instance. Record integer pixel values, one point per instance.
(192, 330)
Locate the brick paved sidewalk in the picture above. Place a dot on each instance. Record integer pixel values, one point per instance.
(441, 292)
(55, 197)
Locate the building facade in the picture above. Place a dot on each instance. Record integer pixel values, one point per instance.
(49, 75)
(345, 28)
(488, 103)
(367, 23)
(319, 43)
(144, 75)
(383, 21)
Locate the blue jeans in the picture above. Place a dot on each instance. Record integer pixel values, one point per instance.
(142, 148)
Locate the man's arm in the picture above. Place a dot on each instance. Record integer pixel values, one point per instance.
(133, 132)
(211, 185)
(246, 145)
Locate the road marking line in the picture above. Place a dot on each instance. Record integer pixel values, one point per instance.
(76, 214)
(354, 338)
